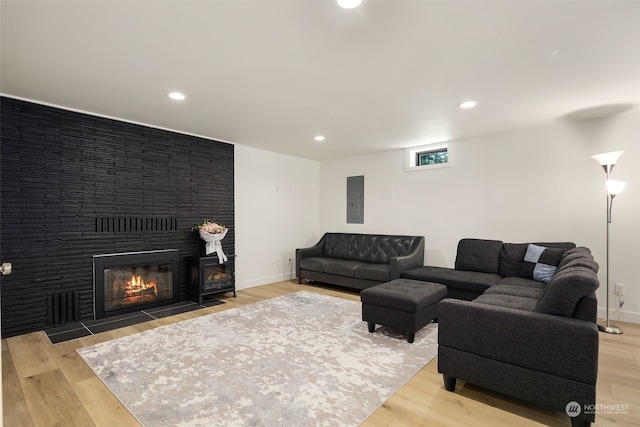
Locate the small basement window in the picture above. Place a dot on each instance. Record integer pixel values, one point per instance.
(428, 156)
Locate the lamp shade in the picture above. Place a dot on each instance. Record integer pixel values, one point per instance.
(615, 187)
(607, 158)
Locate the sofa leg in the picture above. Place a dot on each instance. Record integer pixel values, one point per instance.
(299, 280)
(372, 326)
(580, 422)
(411, 336)
(449, 382)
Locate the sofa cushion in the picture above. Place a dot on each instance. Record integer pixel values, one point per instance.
(315, 263)
(576, 253)
(540, 263)
(511, 258)
(522, 282)
(456, 279)
(377, 272)
(510, 301)
(516, 291)
(585, 261)
(478, 255)
(566, 289)
(343, 267)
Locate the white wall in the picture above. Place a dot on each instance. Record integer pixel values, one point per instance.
(277, 209)
(531, 185)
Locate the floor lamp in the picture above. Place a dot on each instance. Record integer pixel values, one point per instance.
(608, 161)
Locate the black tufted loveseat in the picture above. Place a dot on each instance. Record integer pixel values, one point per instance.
(359, 261)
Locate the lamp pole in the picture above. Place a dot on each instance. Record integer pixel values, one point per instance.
(608, 161)
(608, 327)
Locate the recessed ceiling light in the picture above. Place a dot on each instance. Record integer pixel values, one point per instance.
(319, 138)
(468, 104)
(177, 96)
(349, 4)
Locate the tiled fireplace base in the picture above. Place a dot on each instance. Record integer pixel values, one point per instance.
(83, 329)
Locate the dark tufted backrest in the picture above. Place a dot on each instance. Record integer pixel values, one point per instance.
(372, 248)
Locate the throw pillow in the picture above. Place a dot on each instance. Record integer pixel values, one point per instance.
(511, 257)
(541, 263)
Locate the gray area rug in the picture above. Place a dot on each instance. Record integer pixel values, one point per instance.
(302, 359)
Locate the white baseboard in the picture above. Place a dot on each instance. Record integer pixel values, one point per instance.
(251, 283)
(620, 316)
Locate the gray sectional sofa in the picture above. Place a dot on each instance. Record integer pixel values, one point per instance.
(359, 261)
(523, 322)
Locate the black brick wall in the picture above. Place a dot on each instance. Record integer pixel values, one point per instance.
(66, 174)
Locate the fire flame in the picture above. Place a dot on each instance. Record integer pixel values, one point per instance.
(137, 286)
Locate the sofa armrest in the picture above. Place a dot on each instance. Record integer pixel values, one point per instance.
(312, 251)
(410, 260)
(556, 345)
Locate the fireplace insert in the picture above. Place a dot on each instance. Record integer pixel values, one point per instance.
(132, 281)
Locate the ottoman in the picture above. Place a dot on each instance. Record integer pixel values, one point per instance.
(402, 304)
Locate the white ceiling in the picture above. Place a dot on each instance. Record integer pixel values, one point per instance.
(273, 74)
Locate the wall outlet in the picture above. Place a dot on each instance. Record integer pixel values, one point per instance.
(619, 290)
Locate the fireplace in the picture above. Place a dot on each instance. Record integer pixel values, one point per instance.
(132, 281)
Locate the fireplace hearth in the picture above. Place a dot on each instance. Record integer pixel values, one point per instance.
(132, 281)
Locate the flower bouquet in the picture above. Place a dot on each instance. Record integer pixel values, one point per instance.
(212, 233)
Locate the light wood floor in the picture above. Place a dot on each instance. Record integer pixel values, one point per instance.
(49, 385)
